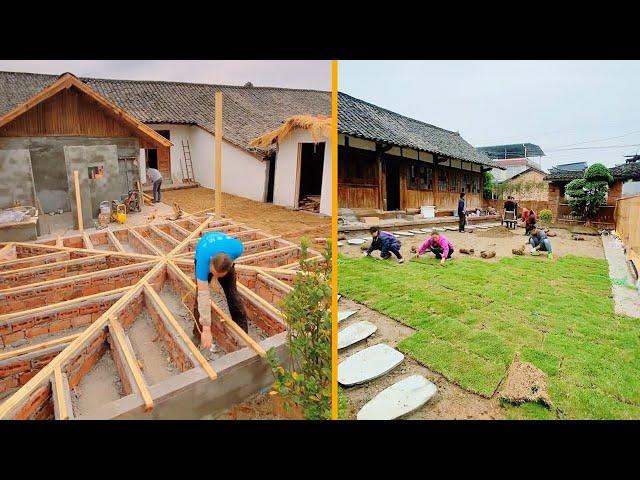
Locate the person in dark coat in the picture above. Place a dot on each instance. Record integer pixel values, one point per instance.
(462, 212)
(386, 242)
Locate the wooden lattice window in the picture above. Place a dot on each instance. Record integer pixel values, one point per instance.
(443, 180)
(419, 176)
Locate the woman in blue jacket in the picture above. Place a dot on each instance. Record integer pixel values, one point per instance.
(386, 243)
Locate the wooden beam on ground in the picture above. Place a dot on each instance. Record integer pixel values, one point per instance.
(63, 410)
(87, 241)
(114, 241)
(185, 338)
(22, 395)
(164, 235)
(218, 152)
(124, 348)
(59, 242)
(223, 316)
(84, 251)
(4, 250)
(145, 242)
(76, 182)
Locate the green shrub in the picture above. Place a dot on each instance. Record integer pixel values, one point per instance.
(545, 216)
(306, 381)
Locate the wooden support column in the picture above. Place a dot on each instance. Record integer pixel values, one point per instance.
(218, 154)
(63, 410)
(76, 182)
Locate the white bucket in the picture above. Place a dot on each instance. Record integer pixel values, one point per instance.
(428, 211)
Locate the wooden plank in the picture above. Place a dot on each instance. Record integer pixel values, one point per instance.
(266, 305)
(191, 236)
(38, 346)
(224, 318)
(40, 260)
(85, 250)
(76, 182)
(114, 241)
(130, 362)
(4, 250)
(218, 153)
(174, 323)
(164, 235)
(61, 395)
(146, 242)
(276, 281)
(13, 402)
(87, 241)
(266, 253)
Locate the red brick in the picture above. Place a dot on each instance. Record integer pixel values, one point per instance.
(8, 383)
(15, 367)
(36, 401)
(60, 325)
(26, 376)
(4, 329)
(81, 320)
(36, 331)
(12, 337)
(39, 362)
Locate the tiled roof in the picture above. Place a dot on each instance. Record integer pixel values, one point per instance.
(624, 172)
(248, 111)
(365, 120)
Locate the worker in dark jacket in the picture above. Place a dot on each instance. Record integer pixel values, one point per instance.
(386, 243)
(462, 212)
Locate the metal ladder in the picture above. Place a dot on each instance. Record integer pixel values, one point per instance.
(186, 153)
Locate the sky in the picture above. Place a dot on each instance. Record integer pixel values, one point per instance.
(311, 74)
(558, 105)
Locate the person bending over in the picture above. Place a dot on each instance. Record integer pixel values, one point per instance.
(439, 245)
(386, 243)
(214, 257)
(530, 222)
(540, 242)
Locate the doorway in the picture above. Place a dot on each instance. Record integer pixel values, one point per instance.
(271, 177)
(310, 172)
(392, 168)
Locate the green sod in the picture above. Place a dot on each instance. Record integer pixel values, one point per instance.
(472, 316)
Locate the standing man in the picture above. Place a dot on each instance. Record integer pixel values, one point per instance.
(462, 213)
(386, 243)
(155, 177)
(214, 257)
(540, 241)
(439, 245)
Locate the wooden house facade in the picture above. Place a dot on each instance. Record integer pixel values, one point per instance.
(388, 162)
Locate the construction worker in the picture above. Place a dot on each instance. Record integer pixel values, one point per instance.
(439, 245)
(462, 212)
(155, 177)
(540, 242)
(214, 257)
(386, 243)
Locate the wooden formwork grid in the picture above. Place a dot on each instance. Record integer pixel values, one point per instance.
(70, 298)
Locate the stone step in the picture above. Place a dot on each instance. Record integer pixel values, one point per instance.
(355, 333)
(368, 364)
(401, 398)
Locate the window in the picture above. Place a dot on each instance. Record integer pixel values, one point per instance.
(443, 180)
(454, 182)
(357, 167)
(96, 172)
(419, 176)
(475, 184)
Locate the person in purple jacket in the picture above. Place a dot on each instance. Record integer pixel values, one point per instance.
(439, 245)
(386, 243)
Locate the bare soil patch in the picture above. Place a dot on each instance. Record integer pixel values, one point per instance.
(525, 383)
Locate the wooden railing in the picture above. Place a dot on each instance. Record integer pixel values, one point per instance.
(627, 219)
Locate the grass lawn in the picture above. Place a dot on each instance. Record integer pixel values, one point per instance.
(472, 316)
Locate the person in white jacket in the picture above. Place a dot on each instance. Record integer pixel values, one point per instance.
(155, 177)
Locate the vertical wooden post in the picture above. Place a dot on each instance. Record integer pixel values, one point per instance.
(76, 182)
(218, 154)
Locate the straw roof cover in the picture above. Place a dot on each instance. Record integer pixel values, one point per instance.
(318, 126)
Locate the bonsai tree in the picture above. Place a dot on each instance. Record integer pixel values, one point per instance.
(587, 194)
(305, 381)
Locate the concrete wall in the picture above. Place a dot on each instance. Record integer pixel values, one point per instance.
(242, 174)
(16, 180)
(53, 160)
(284, 190)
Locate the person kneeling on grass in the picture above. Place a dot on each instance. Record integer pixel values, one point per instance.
(437, 244)
(540, 242)
(214, 257)
(386, 243)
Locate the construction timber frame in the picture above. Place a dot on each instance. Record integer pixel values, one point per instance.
(66, 302)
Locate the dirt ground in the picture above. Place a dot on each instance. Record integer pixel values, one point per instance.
(258, 407)
(291, 224)
(562, 244)
(450, 402)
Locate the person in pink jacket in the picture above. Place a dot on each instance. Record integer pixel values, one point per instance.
(439, 245)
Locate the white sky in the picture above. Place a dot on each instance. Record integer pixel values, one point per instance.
(554, 104)
(312, 74)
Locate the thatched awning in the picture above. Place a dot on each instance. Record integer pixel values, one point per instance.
(319, 127)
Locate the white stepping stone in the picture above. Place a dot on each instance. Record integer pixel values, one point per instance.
(344, 314)
(356, 241)
(355, 333)
(339, 297)
(451, 229)
(401, 398)
(340, 244)
(416, 231)
(403, 234)
(368, 364)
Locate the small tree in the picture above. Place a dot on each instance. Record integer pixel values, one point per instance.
(587, 194)
(307, 380)
(488, 182)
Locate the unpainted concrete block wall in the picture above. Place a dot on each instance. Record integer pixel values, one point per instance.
(16, 180)
(53, 180)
